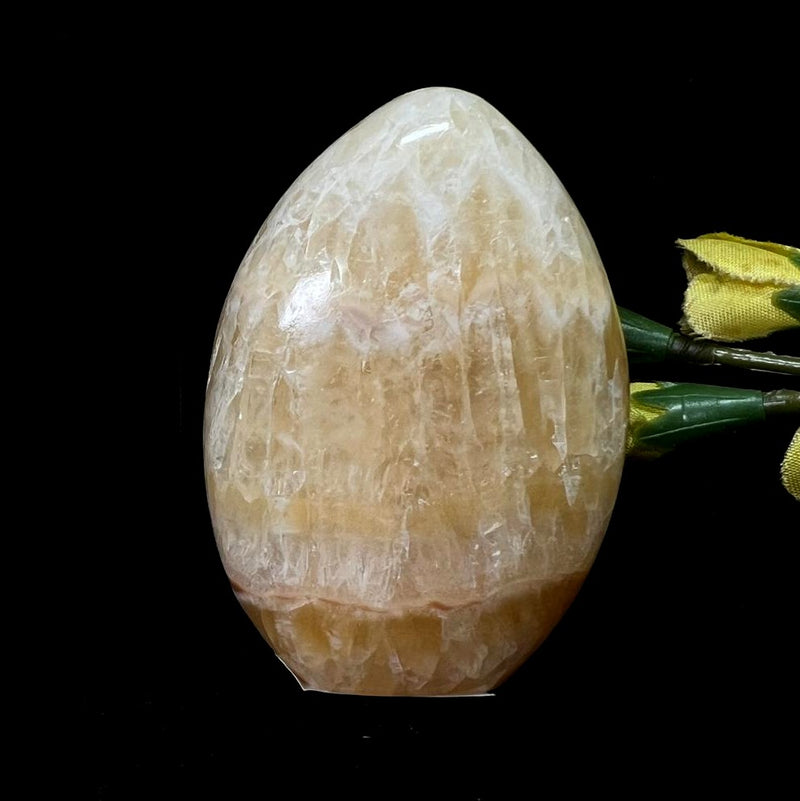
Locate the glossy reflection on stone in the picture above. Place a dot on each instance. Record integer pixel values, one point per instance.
(416, 408)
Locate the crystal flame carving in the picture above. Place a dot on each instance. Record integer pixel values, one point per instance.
(416, 407)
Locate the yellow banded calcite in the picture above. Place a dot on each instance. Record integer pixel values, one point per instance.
(416, 409)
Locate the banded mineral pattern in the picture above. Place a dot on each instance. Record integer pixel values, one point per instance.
(416, 407)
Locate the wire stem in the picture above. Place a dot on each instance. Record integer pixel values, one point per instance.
(704, 352)
(782, 402)
(649, 342)
(712, 353)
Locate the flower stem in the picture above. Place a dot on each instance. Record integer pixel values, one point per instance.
(782, 402)
(708, 353)
(649, 342)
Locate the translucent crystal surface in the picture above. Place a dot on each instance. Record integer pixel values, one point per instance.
(416, 407)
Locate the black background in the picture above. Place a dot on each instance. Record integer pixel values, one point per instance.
(166, 147)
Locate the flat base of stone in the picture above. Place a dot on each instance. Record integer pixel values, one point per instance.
(430, 650)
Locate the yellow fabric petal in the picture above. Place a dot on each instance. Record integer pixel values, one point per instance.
(639, 413)
(727, 310)
(790, 467)
(745, 259)
(694, 266)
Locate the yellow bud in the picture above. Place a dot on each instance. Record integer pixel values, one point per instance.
(790, 467)
(732, 284)
(639, 413)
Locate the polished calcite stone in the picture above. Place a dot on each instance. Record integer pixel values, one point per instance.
(416, 408)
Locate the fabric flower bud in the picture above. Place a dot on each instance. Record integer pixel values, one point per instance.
(739, 288)
(664, 415)
(790, 467)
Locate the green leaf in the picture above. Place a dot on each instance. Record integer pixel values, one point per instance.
(646, 341)
(687, 412)
(788, 300)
